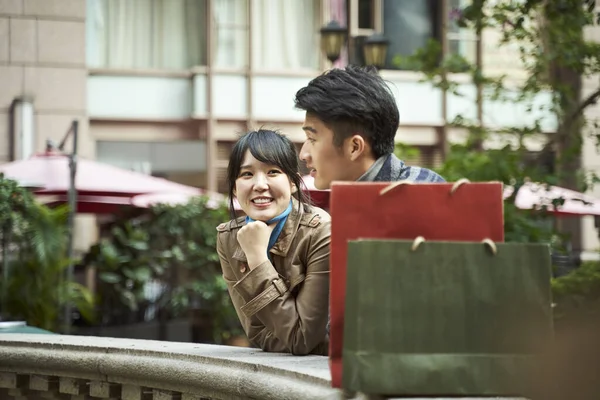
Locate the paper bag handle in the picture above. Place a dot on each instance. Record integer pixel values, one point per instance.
(394, 185)
(417, 242)
(491, 245)
(488, 242)
(458, 184)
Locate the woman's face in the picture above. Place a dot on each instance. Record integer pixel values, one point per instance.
(264, 191)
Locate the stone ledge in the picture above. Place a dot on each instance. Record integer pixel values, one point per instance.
(187, 368)
(128, 369)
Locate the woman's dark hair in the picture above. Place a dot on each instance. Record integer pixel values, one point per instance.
(269, 147)
(353, 100)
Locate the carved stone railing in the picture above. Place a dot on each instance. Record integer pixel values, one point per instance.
(61, 367)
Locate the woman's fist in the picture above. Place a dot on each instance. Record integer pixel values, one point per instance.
(254, 241)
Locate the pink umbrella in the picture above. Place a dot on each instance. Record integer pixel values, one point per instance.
(535, 196)
(150, 199)
(101, 188)
(51, 170)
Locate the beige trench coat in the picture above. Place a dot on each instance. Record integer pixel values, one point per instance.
(283, 305)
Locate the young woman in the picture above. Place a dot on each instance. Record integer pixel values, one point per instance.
(276, 259)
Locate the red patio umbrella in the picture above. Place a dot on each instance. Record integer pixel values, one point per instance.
(87, 204)
(99, 186)
(319, 198)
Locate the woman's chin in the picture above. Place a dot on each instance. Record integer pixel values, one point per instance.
(262, 213)
(260, 216)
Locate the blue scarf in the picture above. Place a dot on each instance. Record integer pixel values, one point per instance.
(280, 219)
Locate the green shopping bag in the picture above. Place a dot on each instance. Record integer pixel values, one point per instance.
(446, 318)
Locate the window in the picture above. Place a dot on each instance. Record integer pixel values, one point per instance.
(231, 25)
(146, 34)
(366, 14)
(365, 20)
(171, 158)
(408, 25)
(285, 34)
(461, 41)
(365, 17)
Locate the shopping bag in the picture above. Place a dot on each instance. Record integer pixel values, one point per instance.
(446, 318)
(438, 211)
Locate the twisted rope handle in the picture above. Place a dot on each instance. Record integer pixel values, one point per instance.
(394, 185)
(458, 184)
(491, 245)
(417, 242)
(488, 242)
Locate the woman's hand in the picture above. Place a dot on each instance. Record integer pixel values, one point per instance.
(254, 240)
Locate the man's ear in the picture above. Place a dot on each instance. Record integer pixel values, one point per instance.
(355, 146)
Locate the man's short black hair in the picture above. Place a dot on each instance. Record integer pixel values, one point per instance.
(353, 100)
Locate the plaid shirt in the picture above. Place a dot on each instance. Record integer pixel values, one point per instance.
(391, 169)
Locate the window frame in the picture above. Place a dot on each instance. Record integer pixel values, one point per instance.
(149, 71)
(353, 17)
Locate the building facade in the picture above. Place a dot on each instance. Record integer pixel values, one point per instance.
(165, 86)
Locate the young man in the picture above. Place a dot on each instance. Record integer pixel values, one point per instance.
(350, 125)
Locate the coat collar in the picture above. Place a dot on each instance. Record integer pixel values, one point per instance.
(284, 242)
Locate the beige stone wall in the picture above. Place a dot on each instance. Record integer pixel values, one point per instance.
(591, 155)
(42, 55)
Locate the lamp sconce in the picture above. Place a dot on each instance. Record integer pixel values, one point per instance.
(333, 38)
(375, 50)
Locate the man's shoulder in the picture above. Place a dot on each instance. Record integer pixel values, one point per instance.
(419, 174)
(395, 169)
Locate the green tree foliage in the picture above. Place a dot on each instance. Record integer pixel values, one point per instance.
(175, 248)
(34, 241)
(556, 57)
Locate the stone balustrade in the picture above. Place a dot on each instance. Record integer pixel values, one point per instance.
(62, 367)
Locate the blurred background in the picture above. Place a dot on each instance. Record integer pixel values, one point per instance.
(127, 110)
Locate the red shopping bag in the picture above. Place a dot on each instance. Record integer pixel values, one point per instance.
(384, 210)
